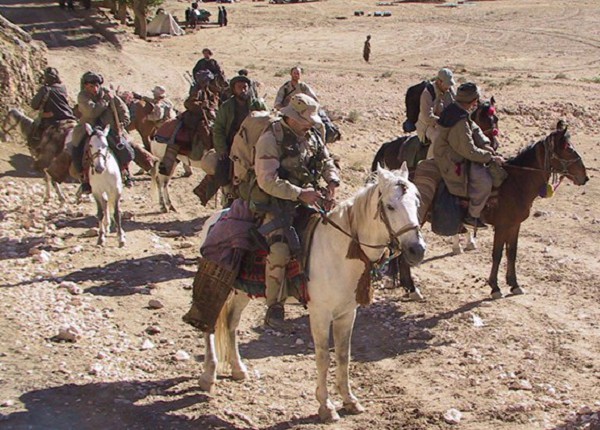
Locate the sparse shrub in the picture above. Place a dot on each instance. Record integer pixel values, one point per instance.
(353, 116)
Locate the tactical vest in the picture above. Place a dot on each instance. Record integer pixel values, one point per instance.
(300, 169)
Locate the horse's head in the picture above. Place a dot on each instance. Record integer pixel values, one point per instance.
(564, 159)
(11, 121)
(398, 208)
(486, 119)
(98, 146)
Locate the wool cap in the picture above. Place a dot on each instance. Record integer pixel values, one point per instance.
(467, 92)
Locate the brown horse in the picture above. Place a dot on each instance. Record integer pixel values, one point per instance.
(528, 173)
(50, 157)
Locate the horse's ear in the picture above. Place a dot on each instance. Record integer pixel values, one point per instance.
(106, 130)
(88, 129)
(561, 125)
(492, 101)
(404, 171)
(382, 174)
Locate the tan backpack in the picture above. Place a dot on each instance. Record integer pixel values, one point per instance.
(244, 142)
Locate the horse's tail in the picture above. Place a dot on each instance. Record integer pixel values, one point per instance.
(222, 329)
(379, 159)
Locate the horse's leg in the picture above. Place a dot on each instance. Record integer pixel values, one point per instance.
(471, 244)
(117, 217)
(342, 334)
(239, 371)
(414, 294)
(158, 186)
(168, 202)
(511, 257)
(101, 215)
(209, 376)
(47, 182)
(457, 248)
(319, 326)
(59, 191)
(499, 241)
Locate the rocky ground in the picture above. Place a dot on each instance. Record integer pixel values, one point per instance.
(92, 337)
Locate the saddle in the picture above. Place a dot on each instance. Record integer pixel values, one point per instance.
(173, 131)
(243, 269)
(444, 210)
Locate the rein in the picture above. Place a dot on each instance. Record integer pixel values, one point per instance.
(393, 235)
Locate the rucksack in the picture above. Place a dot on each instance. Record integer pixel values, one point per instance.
(413, 104)
(244, 142)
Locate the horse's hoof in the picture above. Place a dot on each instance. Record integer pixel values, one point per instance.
(121, 243)
(457, 250)
(497, 295)
(416, 296)
(328, 414)
(164, 209)
(517, 291)
(354, 408)
(470, 247)
(239, 375)
(187, 174)
(206, 384)
(172, 209)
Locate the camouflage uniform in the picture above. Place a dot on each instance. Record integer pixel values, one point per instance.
(285, 164)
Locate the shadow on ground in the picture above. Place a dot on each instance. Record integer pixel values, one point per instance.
(59, 28)
(380, 331)
(132, 405)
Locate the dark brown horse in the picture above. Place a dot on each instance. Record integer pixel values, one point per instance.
(528, 174)
(392, 154)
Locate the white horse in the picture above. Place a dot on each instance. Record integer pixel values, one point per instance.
(17, 119)
(106, 183)
(381, 215)
(160, 183)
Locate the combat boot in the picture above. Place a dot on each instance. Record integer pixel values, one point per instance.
(275, 317)
(167, 164)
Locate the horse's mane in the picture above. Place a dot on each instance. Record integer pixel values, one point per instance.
(527, 155)
(358, 204)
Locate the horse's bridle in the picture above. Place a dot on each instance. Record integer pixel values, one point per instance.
(99, 154)
(393, 244)
(549, 156)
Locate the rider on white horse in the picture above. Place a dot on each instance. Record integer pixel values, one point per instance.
(100, 106)
(291, 160)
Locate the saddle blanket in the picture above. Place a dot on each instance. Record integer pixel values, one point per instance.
(251, 277)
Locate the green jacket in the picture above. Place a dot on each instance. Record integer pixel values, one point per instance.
(224, 121)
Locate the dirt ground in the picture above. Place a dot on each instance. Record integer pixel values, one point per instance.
(522, 362)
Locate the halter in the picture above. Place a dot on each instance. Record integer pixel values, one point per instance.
(549, 156)
(393, 243)
(101, 153)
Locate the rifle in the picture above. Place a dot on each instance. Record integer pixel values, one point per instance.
(284, 212)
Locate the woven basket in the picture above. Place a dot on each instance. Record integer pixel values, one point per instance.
(212, 286)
